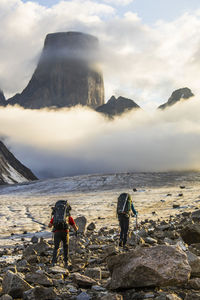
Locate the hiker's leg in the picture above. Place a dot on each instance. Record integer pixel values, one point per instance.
(57, 241)
(121, 230)
(66, 246)
(126, 227)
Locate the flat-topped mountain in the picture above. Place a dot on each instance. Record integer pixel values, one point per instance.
(178, 95)
(117, 106)
(11, 170)
(67, 74)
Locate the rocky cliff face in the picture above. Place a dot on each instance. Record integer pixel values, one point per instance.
(183, 93)
(2, 99)
(117, 106)
(66, 75)
(11, 170)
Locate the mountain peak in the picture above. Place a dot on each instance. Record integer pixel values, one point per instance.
(117, 106)
(11, 169)
(66, 74)
(176, 96)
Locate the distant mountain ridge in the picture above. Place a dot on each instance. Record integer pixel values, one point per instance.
(67, 75)
(177, 95)
(117, 106)
(11, 169)
(2, 99)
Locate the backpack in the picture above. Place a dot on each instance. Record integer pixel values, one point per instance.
(124, 204)
(60, 212)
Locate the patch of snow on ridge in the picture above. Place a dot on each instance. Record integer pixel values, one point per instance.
(14, 177)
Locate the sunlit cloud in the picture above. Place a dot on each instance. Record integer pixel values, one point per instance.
(78, 140)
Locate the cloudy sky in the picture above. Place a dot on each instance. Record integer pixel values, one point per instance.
(149, 49)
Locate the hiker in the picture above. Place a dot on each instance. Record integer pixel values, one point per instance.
(59, 221)
(124, 207)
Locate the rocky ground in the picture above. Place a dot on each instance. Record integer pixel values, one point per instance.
(162, 263)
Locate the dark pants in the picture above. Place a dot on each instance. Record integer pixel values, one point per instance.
(124, 226)
(61, 236)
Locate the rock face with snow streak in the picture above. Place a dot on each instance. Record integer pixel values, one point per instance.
(67, 74)
(11, 170)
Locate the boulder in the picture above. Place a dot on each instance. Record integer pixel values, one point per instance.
(38, 278)
(194, 262)
(39, 248)
(83, 281)
(196, 215)
(155, 266)
(111, 296)
(83, 296)
(6, 297)
(40, 293)
(194, 283)
(94, 273)
(91, 226)
(191, 234)
(81, 223)
(14, 284)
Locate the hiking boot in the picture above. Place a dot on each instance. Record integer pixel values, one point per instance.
(120, 243)
(125, 248)
(68, 266)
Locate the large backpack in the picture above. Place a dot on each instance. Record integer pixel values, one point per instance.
(60, 212)
(124, 204)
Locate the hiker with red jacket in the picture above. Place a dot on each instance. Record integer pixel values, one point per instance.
(60, 222)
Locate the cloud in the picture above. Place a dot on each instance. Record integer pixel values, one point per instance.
(139, 61)
(118, 2)
(54, 143)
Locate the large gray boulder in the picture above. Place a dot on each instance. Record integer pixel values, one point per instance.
(143, 267)
(66, 75)
(14, 284)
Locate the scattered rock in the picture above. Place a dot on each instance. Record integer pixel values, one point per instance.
(40, 293)
(191, 233)
(94, 273)
(91, 226)
(14, 284)
(83, 281)
(81, 223)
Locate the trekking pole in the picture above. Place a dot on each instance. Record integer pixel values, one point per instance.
(136, 222)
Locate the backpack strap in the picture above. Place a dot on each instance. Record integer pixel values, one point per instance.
(125, 202)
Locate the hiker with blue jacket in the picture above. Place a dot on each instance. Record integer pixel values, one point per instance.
(124, 208)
